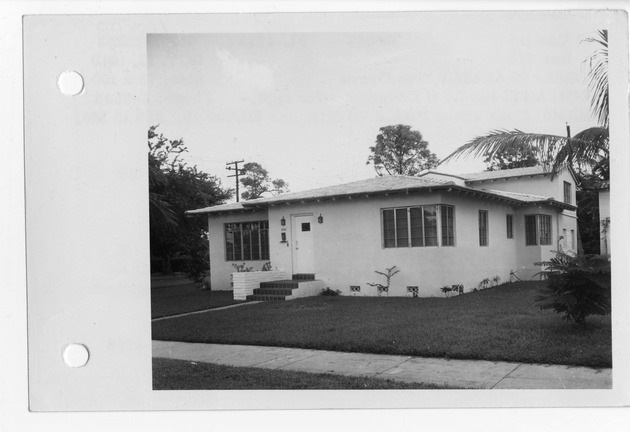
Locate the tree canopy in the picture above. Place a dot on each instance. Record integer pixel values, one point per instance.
(401, 151)
(511, 158)
(175, 187)
(257, 182)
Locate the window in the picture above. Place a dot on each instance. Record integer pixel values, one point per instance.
(412, 291)
(355, 288)
(247, 241)
(537, 229)
(448, 226)
(483, 228)
(544, 226)
(509, 223)
(572, 239)
(567, 192)
(418, 226)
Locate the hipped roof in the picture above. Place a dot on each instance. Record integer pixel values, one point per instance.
(389, 185)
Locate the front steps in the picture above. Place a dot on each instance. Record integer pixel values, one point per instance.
(301, 285)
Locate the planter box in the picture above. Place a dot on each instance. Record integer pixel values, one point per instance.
(245, 282)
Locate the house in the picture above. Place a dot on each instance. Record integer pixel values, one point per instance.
(438, 229)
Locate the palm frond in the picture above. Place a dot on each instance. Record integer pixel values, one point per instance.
(498, 141)
(161, 213)
(584, 150)
(598, 77)
(599, 136)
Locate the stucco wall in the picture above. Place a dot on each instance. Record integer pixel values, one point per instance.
(348, 245)
(527, 256)
(220, 268)
(536, 185)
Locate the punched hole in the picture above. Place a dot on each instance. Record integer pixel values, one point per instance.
(75, 355)
(70, 83)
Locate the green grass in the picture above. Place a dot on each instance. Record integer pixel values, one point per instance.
(499, 324)
(173, 300)
(186, 375)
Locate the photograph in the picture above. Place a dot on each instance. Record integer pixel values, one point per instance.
(365, 207)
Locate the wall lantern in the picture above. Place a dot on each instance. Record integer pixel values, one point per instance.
(320, 218)
(283, 221)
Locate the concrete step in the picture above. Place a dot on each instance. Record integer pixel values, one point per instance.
(274, 291)
(286, 284)
(265, 297)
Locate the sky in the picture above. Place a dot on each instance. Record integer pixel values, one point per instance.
(307, 106)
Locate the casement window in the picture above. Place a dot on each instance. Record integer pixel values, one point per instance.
(418, 226)
(509, 224)
(567, 192)
(483, 228)
(247, 241)
(537, 229)
(448, 225)
(572, 240)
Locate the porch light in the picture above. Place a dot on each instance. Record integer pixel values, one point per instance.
(283, 221)
(320, 218)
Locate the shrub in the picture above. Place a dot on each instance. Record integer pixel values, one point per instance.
(266, 266)
(242, 268)
(459, 288)
(484, 284)
(328, 292)
(577, 286)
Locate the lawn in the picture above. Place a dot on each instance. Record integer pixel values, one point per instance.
(499, 324)
(173, 300)
(171, 374)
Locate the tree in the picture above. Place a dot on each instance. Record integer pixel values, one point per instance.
(587, 152)
(511, 158)
(175, 187)
(401, 151)
(257, 182)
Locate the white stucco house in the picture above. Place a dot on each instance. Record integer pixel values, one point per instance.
(437, 229)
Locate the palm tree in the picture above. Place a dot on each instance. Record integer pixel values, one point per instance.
(587, 151)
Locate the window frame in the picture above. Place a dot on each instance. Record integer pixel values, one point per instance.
(509, 225)
(391, 215)
(539, 230)
(262, 242)
(484, 239)
(568, 192)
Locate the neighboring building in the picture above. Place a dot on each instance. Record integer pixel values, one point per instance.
(604, 219)
(437, 229)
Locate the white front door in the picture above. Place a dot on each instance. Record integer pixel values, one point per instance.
(303, 256)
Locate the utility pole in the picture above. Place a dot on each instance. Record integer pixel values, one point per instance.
(238, 172)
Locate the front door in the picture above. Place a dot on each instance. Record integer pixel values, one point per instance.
(303, 257)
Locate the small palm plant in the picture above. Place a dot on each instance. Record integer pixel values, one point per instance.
(577, 286)
(380, 288)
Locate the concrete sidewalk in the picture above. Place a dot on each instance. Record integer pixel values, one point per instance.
(477, 374)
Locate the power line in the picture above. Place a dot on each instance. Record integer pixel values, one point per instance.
(237, 173)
